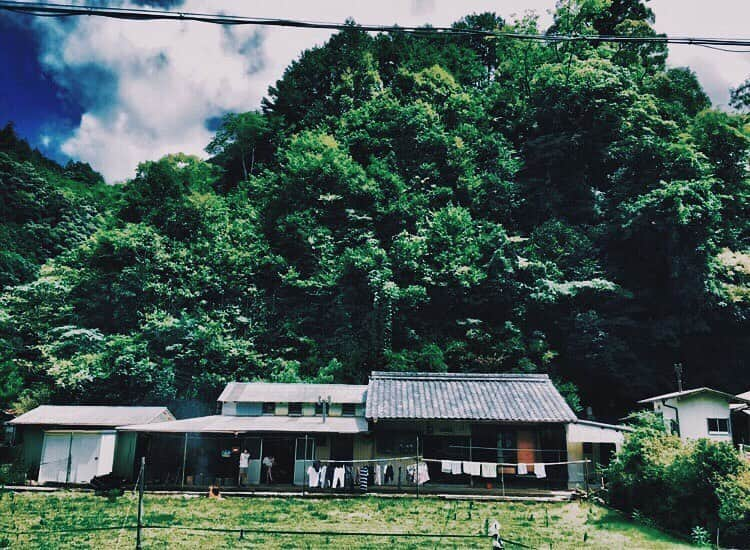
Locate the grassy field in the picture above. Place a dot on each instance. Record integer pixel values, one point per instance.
(569, 525)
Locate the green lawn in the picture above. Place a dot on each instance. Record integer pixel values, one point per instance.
(569, 525)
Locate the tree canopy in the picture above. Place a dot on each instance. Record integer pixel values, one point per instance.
(401, 202)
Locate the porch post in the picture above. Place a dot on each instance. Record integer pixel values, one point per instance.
(304, 468)
(471, 458)
(70, 459)
(184, 460)
(416, 475)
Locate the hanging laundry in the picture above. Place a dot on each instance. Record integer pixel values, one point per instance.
(312, 477)
(472, 468)
(423, 473)
(378, 474)
(338, 477)
(446, 466)
(456, 467)
(349, 476)
(364, 472)
(322, 476)
(539, 470)
(522, 470)
(489, 469)
(389, 473)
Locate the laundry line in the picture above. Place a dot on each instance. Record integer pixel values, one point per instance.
(365, 460)
(507, 464)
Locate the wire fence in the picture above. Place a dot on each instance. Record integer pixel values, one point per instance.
(242, 533)
(125, 526)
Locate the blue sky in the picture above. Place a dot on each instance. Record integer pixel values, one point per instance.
(42, 110)
(113, 93)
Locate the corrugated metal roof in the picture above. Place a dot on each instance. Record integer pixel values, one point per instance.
(92, 415)
(244, 424)
(258, 392)
(685, 393)
(498, 397)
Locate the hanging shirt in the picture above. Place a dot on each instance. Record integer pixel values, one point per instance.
(378, 474)
(489, 469)
(539, 470)
(364, 471)
(423, 474)
(522, 470)
(313, 477)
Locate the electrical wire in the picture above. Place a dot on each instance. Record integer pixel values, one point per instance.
(132, 14)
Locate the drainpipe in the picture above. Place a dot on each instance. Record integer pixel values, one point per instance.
(676, 414)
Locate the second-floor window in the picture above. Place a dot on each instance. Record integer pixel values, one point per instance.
(269, 408)
(348, 409)
(295, 409)
(718, 425)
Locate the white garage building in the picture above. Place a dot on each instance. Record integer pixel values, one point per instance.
(74, 443)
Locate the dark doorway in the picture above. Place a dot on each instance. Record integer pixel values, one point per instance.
(282, 450)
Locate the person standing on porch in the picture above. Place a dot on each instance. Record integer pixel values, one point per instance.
(268, 462)
(244, 465)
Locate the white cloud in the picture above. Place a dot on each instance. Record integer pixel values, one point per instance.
(149, 87)
(157, 83)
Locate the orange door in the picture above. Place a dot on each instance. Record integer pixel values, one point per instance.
(526, 448)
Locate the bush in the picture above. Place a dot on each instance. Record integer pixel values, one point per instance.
(688, 487)
(12, 474)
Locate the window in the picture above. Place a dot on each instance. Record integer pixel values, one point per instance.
(269, 408)
(295, 409)
(718, 425)
(348, 409)
(318, 409)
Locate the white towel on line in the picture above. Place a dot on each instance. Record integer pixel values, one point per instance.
(446, 466)
(472, 468)
(522, 470)
(489, 469)
(456, 467)
(539, 470)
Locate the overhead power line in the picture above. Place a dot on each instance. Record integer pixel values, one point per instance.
(134, 14)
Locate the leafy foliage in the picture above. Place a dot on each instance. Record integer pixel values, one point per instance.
(691, 487)
(404, 202)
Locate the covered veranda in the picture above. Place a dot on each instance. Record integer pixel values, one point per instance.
(205, 451)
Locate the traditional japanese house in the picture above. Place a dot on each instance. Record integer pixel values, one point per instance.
(517, 425)
(494, 418)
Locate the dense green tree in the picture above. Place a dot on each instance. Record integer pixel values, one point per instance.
(432, 202)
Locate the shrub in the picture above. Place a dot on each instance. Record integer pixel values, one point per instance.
(689, 487)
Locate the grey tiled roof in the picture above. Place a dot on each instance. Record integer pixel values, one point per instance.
(496, 397)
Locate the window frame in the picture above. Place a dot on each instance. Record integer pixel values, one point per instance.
(266, 405)
(718, 430)
(296, 405)
(348, 409)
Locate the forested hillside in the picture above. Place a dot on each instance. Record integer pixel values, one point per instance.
(401, 202)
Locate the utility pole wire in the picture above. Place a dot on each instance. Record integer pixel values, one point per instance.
(131, 14)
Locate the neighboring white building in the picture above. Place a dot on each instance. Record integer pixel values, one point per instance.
(741, 423)
(697, 413)
(593, 441)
